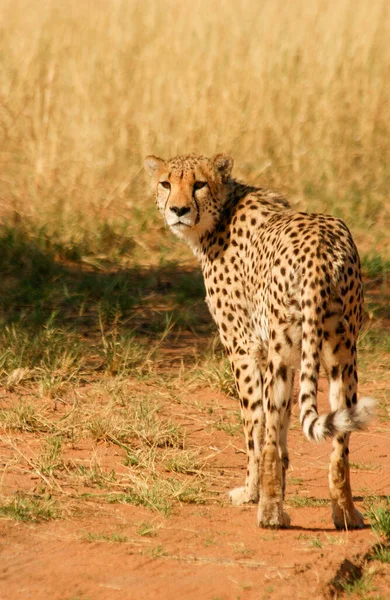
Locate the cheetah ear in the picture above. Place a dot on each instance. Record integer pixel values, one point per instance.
(224, 164)
(154, 165)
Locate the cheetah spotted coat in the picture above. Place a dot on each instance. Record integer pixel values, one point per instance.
(285, 291)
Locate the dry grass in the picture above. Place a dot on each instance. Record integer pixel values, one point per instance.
(298, 92)
(133, 454)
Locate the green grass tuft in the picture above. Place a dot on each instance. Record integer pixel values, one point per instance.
(115, 537)
(374, 265)
(301, 501)
(30, 508)
(379, 516)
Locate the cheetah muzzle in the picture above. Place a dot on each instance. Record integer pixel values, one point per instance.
(285, 291)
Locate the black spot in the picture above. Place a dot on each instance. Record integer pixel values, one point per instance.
(311, 427)
(329, 424)
(282, 372)
(335, 372)
(307, 413)
(305, 397)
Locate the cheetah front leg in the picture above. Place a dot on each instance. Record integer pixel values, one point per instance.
(274, 457)
(249, 384)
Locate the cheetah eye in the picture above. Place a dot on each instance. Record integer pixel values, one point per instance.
(166, 185)
(198, 185)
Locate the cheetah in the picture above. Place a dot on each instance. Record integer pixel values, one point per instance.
(285, 291)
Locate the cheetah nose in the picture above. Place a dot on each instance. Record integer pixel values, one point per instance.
(180, 210)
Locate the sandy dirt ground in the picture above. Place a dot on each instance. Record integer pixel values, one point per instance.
(209, 551)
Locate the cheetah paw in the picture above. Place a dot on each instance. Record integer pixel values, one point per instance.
(347, 519)
(273, 518)
(241, 495)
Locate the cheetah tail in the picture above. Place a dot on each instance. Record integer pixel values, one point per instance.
(343, 420)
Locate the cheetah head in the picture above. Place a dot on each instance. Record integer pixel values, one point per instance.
(190, 192)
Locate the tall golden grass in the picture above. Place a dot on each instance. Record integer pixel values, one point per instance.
(298, 92)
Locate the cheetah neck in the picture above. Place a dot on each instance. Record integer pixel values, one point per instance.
(204, 238)
(199, 238)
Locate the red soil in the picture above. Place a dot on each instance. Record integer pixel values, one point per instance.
(211, 551)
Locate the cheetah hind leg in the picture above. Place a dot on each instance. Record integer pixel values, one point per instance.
(274, 464)
(270, 511)
(343, 393)
(344, 513)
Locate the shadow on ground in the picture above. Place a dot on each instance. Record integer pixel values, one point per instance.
(39, 283)
(74, 289)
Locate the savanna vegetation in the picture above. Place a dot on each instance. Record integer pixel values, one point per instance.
(104, 331)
